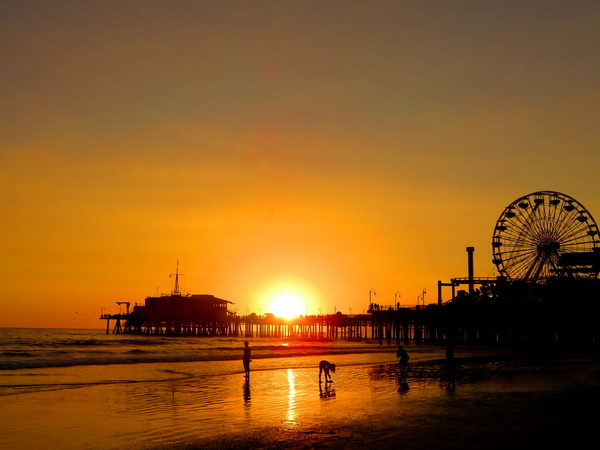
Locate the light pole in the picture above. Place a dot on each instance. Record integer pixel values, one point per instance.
(423, 297)
(396, 297)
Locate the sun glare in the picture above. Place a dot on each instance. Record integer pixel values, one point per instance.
(287, 306)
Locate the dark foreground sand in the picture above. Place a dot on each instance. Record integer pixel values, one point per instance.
(497, 403)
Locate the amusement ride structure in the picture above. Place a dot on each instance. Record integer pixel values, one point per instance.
(545, 234)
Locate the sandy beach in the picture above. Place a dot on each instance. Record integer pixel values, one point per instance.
(497, 401)
(496, 404)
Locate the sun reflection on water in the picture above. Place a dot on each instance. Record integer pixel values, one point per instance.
(291, 412)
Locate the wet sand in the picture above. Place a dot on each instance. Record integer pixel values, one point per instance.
(498, 402)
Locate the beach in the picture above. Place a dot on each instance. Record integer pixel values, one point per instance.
(509, 405)
(493, 398)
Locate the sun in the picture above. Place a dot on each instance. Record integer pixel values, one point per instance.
(287, 306)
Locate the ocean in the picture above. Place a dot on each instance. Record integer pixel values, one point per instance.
(73, 389)
(43, 359)
(83, 388)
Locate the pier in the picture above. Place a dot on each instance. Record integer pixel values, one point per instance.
(398, 325)
(470, 319)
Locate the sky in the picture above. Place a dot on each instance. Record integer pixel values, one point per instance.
(339, 152)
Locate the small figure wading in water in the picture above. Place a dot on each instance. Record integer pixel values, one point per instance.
(401, 353)
(247, 359)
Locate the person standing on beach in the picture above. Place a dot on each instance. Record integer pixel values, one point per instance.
(401, 353)
(449, 365)
(247, 359)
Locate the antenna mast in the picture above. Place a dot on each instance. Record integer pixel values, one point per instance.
(176, 286)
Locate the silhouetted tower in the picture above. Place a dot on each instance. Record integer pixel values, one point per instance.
(470, 251)
(176, 285)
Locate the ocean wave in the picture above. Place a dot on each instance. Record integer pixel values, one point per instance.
(9, 353)
(39, 385)
(43, 348)
(137, 356)
(92, 361)
(86, 343)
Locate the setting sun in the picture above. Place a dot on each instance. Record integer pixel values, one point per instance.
(287, 306)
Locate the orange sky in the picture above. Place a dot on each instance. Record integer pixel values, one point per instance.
(321, 148)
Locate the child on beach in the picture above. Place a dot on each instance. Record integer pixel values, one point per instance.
(326, 366)
(401, 353)
(247, 359)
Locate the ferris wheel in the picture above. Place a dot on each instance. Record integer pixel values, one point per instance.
(534, 231)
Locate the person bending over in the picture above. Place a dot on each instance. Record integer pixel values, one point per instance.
(326, 366)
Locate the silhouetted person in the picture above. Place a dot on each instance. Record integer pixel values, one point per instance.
(401, 353)
(402, 384)
(326, 366)
(247, 359)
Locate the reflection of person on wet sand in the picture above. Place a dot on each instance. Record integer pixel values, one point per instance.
(450, 380)
(247, 359)
(449, 366)
(326, 366)
(402, 384)
(327, 392)
(247, 391)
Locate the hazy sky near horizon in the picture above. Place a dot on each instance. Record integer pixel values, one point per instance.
(318, 148)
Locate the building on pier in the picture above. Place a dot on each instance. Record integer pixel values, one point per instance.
(176, 314)
(181, 314)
